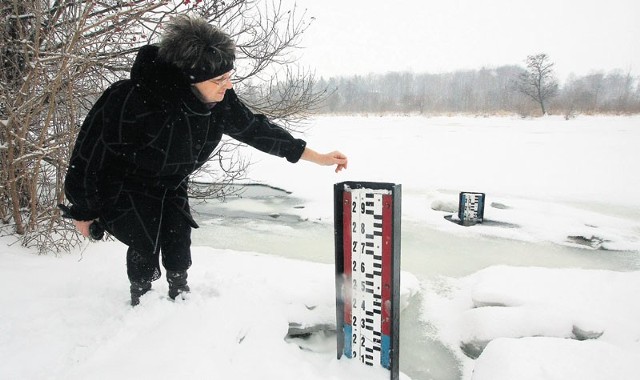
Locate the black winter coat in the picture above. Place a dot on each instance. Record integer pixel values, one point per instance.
(149, 133)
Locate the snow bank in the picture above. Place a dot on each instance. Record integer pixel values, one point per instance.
(555, 359)
(533, 323)
(68, 317)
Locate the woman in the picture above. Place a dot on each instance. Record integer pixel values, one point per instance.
(144, 137)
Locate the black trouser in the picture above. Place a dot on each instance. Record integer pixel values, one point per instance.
(150, 224)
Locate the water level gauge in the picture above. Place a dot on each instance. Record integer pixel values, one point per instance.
(367, 227)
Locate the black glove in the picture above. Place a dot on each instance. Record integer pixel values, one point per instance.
(96, 229)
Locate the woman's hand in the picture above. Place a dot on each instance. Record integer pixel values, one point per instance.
(83, 226)
(326, 159)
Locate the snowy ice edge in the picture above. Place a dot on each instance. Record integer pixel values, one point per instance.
(529, 323)
(505, 217)
(540, 221)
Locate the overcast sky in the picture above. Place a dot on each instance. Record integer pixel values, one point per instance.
(362, 36)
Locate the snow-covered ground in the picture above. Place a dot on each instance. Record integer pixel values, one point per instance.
(545, 288)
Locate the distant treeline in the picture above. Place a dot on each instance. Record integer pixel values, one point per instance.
(484, 91)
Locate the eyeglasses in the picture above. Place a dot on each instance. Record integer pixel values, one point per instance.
(223, 79)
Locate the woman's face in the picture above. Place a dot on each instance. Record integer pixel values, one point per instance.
(212, 90)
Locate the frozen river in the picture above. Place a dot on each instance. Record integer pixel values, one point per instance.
(555, 190)
(260, 222)
(561, 198)
(426, 252)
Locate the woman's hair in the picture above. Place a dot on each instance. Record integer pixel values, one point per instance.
(200, 50)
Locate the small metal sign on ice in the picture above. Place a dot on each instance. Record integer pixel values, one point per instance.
(367, 246)
(471, 208)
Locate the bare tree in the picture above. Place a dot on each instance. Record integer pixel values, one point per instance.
(57, 56)
(538, 82)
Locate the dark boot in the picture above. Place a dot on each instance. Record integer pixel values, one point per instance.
(177, 283)
(138, 289)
